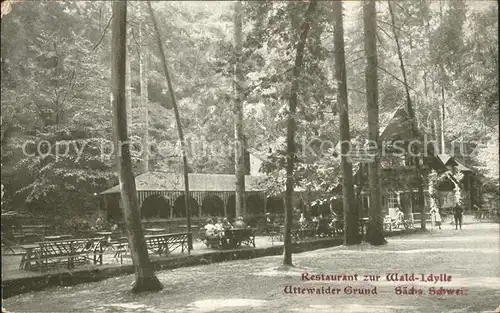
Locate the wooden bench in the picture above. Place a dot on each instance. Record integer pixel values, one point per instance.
(416, 217)
(273, 231)
(387, 223)
(210, 242)
(301, 231)
(230, 239)
(46, 254)
(120, 249)
(235, 237)
(7, 245)
(304, 233)
(31, 233)
(392, 223)
(166, 243)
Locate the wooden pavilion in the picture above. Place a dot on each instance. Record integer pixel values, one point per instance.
(161, 194)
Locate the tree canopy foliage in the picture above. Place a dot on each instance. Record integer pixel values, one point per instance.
(55, 66)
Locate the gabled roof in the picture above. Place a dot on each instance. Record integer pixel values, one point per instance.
(162, 181)
(462, 167)
(399, 125)
(444, 158)
(447, 159)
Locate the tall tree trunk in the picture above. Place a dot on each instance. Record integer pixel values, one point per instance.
(375, 227)
(179, 127)
(128, 82)
(145, 279)
(441, 115)
(290, 141)
(411, 114)
(239, 148)
(351, 214)
(143, 68)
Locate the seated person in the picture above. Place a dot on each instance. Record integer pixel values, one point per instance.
(219, 227)
(239, 223)
(323, 228)
(226, 224)
(400, 217)
(100, 224)
(269, 219)
(333, 221)
(302, 218)
(210, 231)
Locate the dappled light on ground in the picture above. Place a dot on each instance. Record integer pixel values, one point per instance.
(258, 285)
(218, 304)
(280, 271)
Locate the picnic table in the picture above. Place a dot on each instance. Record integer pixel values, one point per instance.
(166, 243)
(153, 231)
(105, 234)
(299, 232)
(121, 248)
(28, 256)
(57, 237)
(273, 231)
(71, 251)
(230, 238)
(24, 232)
(157, 244)
(192, 227)
(236, 237)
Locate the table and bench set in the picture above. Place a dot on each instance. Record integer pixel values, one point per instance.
(158, 244)
(64, 251)
(57, 251)
(229, 238)
(310, 230)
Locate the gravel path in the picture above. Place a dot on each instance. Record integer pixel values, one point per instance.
(470, 256)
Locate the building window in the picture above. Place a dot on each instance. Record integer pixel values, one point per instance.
(392, 200)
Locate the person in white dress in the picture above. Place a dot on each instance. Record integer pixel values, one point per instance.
(435, 218)
(438, 219)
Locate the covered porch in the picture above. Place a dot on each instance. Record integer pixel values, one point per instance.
(161, 196)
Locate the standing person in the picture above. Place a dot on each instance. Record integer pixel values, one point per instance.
(433, 213)
(457, 214)
(400, 218)
(437, 218)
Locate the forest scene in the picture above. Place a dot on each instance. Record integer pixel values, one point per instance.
(104, 102)
(56, 80)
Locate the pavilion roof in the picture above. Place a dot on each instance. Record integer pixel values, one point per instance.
(163, 181)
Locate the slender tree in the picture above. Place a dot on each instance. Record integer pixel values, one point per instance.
(128, 82)
(375, 230)
(143, 77)
(145, 279)
(179, 125)
(299, 60)
(239, 150)
(411, 114)
(351, 215)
